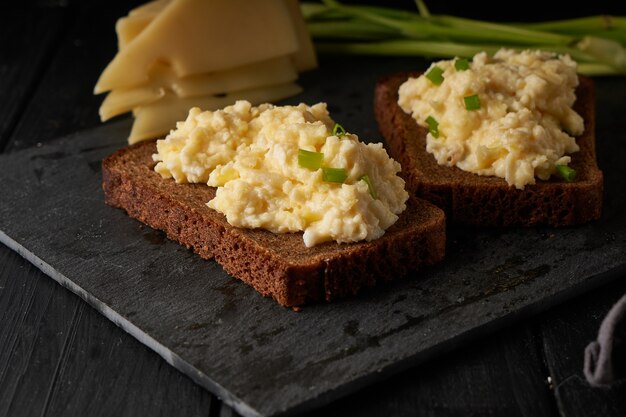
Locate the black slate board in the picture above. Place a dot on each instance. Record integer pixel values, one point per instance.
(261, 358)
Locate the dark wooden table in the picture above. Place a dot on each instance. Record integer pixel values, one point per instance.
(58, 356)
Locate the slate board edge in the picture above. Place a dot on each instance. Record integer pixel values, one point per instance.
(325, 398)
(539, 306)
(169, 356)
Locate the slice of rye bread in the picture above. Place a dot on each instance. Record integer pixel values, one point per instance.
(276, 265)
(472, 199)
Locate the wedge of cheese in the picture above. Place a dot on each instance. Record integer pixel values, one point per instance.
(270, 72)
(162, 78)
(174, 54)
(127, 28)
(151, 8)
(304, 58)
(200, 36)
(124, 100)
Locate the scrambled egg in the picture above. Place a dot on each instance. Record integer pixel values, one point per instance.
(513, 129)
(251, 155)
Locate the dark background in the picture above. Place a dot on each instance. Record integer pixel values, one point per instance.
(511, 11)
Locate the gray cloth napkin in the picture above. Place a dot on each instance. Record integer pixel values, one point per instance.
(605, 358)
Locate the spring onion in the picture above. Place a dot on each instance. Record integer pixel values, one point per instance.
(338, 130)
(435, 75)
(472, 102)
(309, 159)
(597, 43)
(433, 126)
(370, 186)
(461, 64)
(334, 174)
(565, 172)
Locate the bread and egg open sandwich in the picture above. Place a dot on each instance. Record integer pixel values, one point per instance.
(282, 197)
(498, 141)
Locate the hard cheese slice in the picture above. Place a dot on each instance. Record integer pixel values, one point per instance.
(304, 59)
(163, 79)
(152, 8)
(222, 28)
(129, 27)
(123, 100)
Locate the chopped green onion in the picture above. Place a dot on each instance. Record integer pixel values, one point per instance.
(565, 172)
(338, 130)
(433, 126)
(461, 64)
(334, 175)
(309, 159)
(370, 186)
(435, 75)
(472, 102)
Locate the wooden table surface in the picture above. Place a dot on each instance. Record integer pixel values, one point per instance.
(58, 356)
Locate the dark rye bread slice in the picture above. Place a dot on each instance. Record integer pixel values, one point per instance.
(489, 201)
(276, 265)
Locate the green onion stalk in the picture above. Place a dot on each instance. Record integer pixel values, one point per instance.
(597, 43)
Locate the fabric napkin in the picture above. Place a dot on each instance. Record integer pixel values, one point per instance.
(605, 358)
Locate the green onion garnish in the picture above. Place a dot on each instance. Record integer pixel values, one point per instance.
(472, 102)
(334, 174)
(309, 159)
(433, 126)
(461, 64)
(370, 186)
(338, 130)
(598, 43)
(565, 172)
(435, 75)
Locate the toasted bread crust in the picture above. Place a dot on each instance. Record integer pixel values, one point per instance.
(468, 198)
(276, 265)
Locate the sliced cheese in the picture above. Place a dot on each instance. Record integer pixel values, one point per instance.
(122, 101)
(305, 58)
(150, 8)
(184, 28)
(157, 119)
(128, 28)
(270, 72)
(162, 79)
